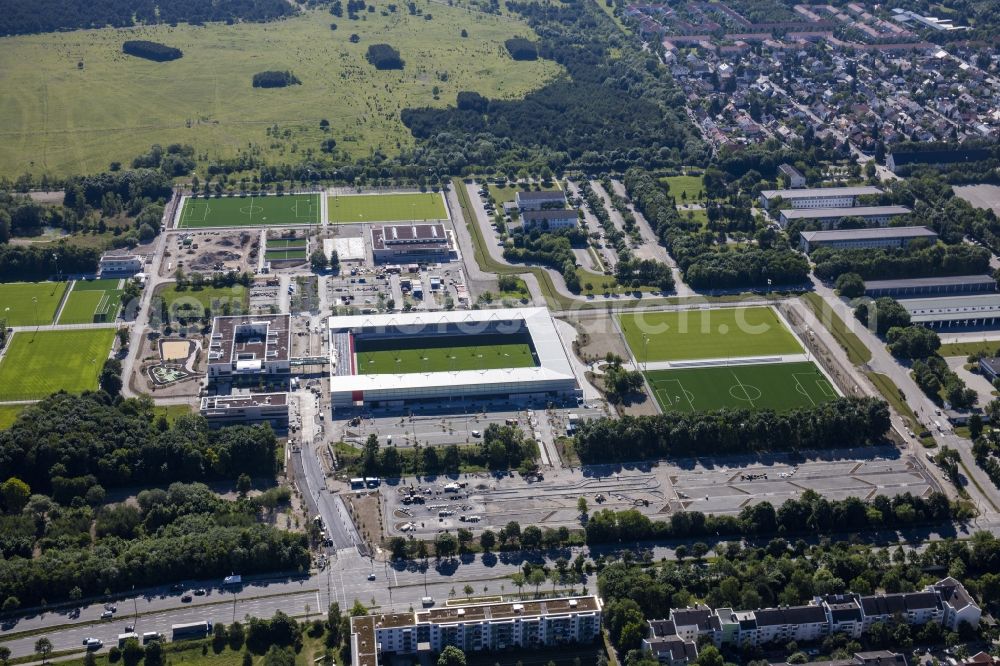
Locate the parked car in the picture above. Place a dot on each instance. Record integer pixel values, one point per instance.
(107, 615)
(186, 598)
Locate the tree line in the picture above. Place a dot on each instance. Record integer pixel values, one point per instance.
(917, 260)
(840, 423)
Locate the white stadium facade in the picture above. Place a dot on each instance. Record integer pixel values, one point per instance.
(551, 379)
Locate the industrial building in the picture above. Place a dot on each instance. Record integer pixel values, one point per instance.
(221, 410)
(847, 239)
(979, 311)
(526, 201)
(551, 378)
(422, 243)
(910, 288)
(818, 197)
(566, 218)
(476, 628)
(828, 217)
(249, 346)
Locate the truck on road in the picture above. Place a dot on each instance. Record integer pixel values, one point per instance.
(190, 630)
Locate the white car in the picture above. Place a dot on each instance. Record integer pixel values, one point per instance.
(476, 433)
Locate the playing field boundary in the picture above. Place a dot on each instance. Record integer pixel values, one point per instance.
(175, 222)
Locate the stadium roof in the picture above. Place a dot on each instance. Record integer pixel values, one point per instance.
(856, 211)
(928, 282)
(807, 192)
(862, 234)
(552, 358)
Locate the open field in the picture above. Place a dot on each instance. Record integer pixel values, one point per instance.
(18, 306)
(990, 347)
(87, 298)
(115, 107)
(9, 414)
(506, 193)
(777, 386)
(350, 209)
(207, 298)
(717, 333)
(685, 188)
(250, 211)
(444, 353)
(39, 363)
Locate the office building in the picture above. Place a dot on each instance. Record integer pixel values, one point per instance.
(249, 346)
(402, 243)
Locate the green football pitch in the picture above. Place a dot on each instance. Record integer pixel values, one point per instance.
(443, 354)
(718, 333)
(353, 208)
(38, 363)
(251, 211)
(96, 300)
(777, 386)
(18, 305)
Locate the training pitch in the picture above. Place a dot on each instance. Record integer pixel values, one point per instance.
(777, 386)
(718, 333)
(18, 302)
(358, 208)
(250, 211)
(37, 364)
(93, 301)
(444, 354)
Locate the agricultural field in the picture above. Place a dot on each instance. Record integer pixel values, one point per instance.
(685, 188)
(38, 363)
(18, 302)
(379, 357)
(505, 193)
(716, 333)
(93, 301)
(103, 106)
(353, 208)
(777, 386)
(249, 211)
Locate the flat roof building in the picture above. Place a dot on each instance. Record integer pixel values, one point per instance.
(909, 288)
(539, 200)
(476, 628)
(400, 243)
(221, 410)
(119, 263)
(249, 345)
(818, 197)
(828, 217)
(979, 311)
(550, 218)
(879, 237)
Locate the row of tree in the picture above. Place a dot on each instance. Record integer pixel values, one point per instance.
(916, 260)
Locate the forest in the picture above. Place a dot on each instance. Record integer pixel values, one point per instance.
(67, 444)
(21, 17)
(841, 423)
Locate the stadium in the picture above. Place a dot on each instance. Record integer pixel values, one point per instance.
(396, 359)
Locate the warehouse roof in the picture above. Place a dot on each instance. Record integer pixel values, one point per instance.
(807, 192)
(856, 211)
(948, 308)
(929, 282)
(863, 234)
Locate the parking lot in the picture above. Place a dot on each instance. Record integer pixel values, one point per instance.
(723, 487)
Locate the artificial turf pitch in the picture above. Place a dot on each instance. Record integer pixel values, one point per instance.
(444, 357)
(38, 363)
(355, 208)
(251, 211)
(18, 307)
(717, 333)
(777, 386)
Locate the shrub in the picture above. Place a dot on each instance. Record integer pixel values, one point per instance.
(383, 56)
(273, 79)
(142, 48)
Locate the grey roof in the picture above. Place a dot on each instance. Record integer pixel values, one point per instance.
(929, 282)
(863, 234)
(947, 308)
(676, 646)
(845, 612)
(855, 211)
(954, 592)
(809, 192)
(790, 615)
(883, 657)
(550, 214)
(547, 195)
(659, 628)
(890, 604)
(699, 616)
(992, 363)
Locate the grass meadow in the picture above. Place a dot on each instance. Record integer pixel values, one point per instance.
(18, 307)
(62, 118)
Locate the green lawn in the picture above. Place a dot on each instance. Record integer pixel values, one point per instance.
(992, 348)
(86, 298)
(778, 386)
(280, 254)
(505, 193)
(17, 302)
(685, 188)
(115, 107)
(39, 363)
(172, 412)
(250, 211)
(699, 215)
(207, 298)
(354, 208)
(716, 333)
(9, 414)
(444, 353)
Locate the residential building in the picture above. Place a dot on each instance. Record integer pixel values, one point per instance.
(400, 243)
(912, 607)
(790, 623)
(476, 628)
(120, 263)
(539, 200)
(818, 197)
(959, 606)
(981, 310)
(249, 346)
(794, 176)
(550, 218)
(954, 284)
(845, 239)
(829, 217)
(221, 410)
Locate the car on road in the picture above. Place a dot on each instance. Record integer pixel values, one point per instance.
(186, 598)
(476, 433)
(200, 592)
(93, 643)
(371, 576)
(107, 615)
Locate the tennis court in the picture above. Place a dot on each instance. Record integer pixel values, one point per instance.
(250, 211)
